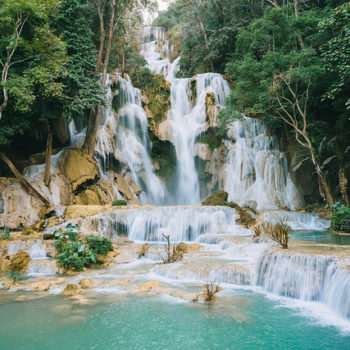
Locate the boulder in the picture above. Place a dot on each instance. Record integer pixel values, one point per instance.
(71, 289)
(41, 286)
(78, 167)
(85, 283)
(251, 204)
(218, 198)
(136, 189)
(123, 187)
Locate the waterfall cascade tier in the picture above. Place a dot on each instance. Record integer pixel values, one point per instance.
(253, 169)
(305, 277)
(125, 136)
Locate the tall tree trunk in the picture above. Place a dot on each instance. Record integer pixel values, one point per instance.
(100, 10)
(91, 131)
(47, 177)
(109, 41)
(325, 190)
(343, 184)
(206, 44)
(27, 186)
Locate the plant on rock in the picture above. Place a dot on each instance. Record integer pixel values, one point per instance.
(279, 232)
(119, 202)
(171, 255)
(75, 253)
(16, 276)
(340, 220)
(4, 234)
(99, 245)
(211, 289)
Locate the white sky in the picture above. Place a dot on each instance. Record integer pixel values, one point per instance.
(162, 5)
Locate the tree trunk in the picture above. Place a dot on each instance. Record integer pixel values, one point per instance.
(91, 131)
(343, 184)
(325, 190)
(47, 177)
(109, 42)
(100, 10)
(27, 186)
(206, 44)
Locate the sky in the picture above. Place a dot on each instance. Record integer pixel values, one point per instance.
(162, 5)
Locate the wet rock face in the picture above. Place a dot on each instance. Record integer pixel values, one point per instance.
(17, 208)
(19, 262)
(79, 168)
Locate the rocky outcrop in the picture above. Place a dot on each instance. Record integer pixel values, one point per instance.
(17, 208)
(155, 97)
(123, 187)
(212, 110)
(85, 283)
(202, 151)
(218, 198)
(78, 167)
(78, 211)
(19, 262)
(71, 289)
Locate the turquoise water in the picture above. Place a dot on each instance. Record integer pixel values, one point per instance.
(243, 321)
(321, 237)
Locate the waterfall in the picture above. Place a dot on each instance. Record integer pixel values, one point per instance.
(125, 136)
(187, 121)
(306, 277)
(149, 223)
(255, 169)
(297, 220)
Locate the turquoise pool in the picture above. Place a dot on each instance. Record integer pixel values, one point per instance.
(245, 320)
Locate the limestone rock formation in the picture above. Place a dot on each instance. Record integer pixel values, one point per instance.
(78, 167)
(218, 198)
(71, 289)
(85, 283)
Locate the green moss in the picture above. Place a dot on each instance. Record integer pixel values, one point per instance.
(244, 217)
(210, 138)
(157, 92)
(163, 152)
(119, 203)
(218, 198)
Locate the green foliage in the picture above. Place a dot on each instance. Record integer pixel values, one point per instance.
(99, 245)
(4, 234)
(336, 52)
(16, 276)
(119, 202)
(81, 86)
(74, 253)
(340, 220)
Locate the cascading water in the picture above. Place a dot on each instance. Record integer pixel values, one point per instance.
(187, 121)
(126, 137)
(255, 169)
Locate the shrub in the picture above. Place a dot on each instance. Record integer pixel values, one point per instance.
(99, 245)
(340, 220)
(211, 289)
(119, 202)
(279, 232)
(171, 254)
(4, 234)
(74, 253)
(16, 276)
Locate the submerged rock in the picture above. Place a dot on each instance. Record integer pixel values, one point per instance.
(149, 286)
(85, 283)
(71, 289)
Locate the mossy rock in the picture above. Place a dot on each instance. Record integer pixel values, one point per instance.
(244, 217)
(19, 262)
(156, 96)
(218, 198)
